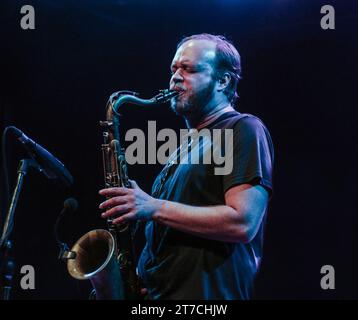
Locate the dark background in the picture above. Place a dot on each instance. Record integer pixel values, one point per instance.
(299, 79)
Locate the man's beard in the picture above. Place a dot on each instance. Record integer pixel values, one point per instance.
(189, 105)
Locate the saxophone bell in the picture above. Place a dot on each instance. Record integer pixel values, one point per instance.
(96, 261)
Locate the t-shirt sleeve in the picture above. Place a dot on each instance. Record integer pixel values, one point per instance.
(253, 155)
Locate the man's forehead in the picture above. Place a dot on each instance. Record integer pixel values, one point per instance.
(196, 51)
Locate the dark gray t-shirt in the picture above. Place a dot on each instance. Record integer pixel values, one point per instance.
(178, 265)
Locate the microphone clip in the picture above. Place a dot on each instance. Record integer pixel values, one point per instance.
(70, 205)
(65, 253)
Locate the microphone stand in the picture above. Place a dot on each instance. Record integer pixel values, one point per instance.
(7, 270)
(5, 244)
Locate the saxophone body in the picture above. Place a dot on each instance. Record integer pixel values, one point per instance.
(107, 257)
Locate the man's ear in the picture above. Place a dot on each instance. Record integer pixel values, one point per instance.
(224, 81)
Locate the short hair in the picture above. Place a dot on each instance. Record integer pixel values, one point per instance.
(227, 60)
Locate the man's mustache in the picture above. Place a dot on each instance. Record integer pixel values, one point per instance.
(177, 88)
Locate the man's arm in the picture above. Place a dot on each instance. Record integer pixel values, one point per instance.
(236, 221)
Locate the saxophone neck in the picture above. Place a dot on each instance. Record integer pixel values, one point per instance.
(122, 97)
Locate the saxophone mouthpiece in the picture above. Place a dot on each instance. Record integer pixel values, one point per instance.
(165, 95)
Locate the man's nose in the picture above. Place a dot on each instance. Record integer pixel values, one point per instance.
(177, 77)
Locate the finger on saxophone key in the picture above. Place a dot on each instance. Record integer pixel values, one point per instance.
(117, 191)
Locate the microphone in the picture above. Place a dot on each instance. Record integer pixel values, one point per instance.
(70, 205)
(49, 165)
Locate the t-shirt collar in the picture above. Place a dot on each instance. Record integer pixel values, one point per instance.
(211, 118)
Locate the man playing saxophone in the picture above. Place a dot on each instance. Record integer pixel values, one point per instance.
(204, 232)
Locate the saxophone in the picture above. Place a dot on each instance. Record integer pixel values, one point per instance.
(106, 257)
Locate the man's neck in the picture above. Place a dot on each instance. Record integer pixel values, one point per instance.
(209, 117)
